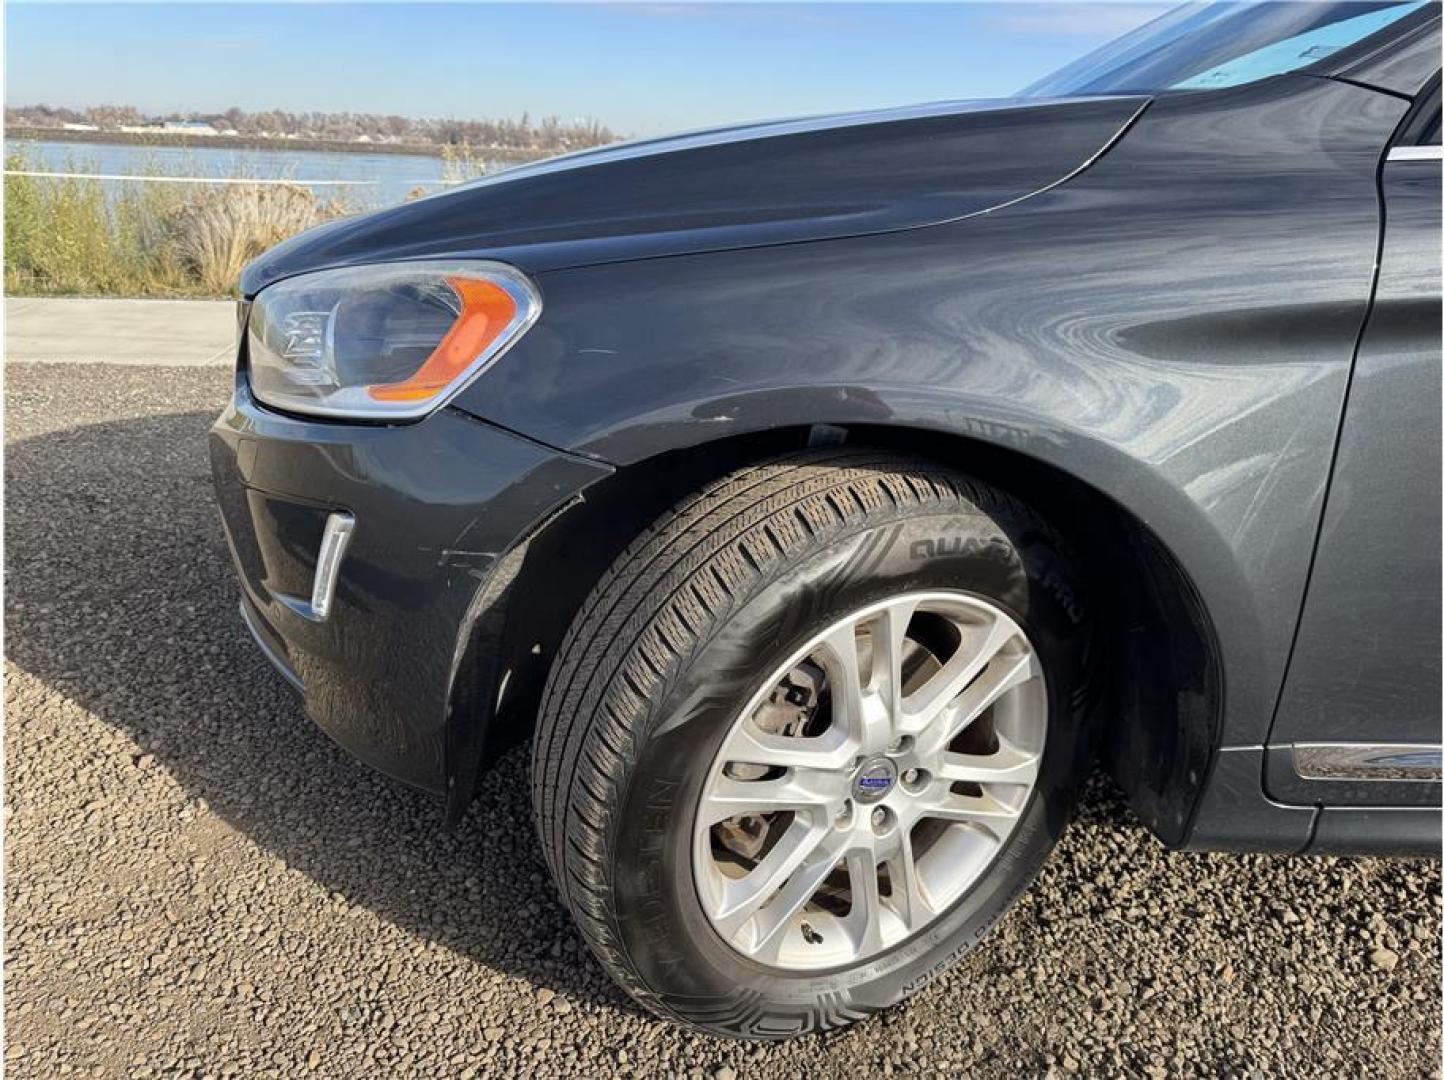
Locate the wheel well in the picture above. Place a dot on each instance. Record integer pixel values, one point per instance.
(1161, 712)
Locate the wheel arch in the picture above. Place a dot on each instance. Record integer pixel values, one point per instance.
(1164, 702)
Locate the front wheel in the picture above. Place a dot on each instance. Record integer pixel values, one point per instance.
(810, 736)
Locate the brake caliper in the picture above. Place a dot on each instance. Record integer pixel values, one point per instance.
(789, 711)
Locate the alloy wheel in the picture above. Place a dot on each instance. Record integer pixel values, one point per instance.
(870, 782)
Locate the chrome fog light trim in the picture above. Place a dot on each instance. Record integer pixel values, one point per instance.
(334, 540)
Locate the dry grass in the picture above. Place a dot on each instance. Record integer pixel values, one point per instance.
(221, 229)
(461, 163)
(68, 236)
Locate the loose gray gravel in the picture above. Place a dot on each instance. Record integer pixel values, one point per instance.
(199, 883)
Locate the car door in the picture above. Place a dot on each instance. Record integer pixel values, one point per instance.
(1359, 718)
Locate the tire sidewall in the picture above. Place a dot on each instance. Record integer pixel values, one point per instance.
(1011, 561)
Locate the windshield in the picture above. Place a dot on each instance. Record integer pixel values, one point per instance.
(1204, 46)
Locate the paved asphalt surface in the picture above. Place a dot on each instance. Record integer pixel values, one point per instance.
(199, 883)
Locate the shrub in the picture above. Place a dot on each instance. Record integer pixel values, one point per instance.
(220, 230)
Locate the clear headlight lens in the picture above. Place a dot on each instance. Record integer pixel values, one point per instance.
(383, 342)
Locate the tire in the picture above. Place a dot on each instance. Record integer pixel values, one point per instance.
(686, 626)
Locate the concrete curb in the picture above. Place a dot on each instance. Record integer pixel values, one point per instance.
(76, 330)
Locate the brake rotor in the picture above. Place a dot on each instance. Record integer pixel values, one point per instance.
(789, 711)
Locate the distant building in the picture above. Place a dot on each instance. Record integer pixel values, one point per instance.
(188, 127)
(80, 127)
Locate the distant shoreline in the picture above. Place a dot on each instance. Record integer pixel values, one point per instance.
(256, 142)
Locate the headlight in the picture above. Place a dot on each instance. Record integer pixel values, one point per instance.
(383, 342)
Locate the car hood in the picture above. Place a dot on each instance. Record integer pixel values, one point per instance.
(778, 182)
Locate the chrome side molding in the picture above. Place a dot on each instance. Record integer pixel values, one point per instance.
(337, 535)
(1416, 153)
(1368, 761)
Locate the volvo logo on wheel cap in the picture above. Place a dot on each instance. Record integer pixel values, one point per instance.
(874, 779)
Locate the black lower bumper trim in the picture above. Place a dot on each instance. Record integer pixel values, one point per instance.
(269, 648)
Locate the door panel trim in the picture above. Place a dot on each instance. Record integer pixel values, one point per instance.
(1361, 774)
(1368, 761)
(1417, 153)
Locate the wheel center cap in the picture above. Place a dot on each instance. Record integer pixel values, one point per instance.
(874, 778)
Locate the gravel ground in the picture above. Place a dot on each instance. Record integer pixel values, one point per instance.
(199, 883)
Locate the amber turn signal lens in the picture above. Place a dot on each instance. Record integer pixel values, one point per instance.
(486, 310)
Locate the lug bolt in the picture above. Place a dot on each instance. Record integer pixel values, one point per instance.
(879, 818)
(910, 778)
(844, 815)
(901, 743)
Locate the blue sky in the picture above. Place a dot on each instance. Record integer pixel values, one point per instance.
(640, 68)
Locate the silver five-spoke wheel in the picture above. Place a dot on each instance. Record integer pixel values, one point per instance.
(871, 781)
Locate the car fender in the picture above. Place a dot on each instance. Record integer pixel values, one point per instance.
(1154, 327)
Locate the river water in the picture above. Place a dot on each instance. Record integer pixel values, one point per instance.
(372, 180)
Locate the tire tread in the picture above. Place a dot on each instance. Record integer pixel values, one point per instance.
(662, 599)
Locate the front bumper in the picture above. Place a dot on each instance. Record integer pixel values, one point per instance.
(436, 504)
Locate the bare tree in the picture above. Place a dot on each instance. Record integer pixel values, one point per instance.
(551, 133)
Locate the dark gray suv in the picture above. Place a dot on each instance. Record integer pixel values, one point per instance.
(821, 498)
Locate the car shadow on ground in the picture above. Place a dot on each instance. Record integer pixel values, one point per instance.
(120, 595)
